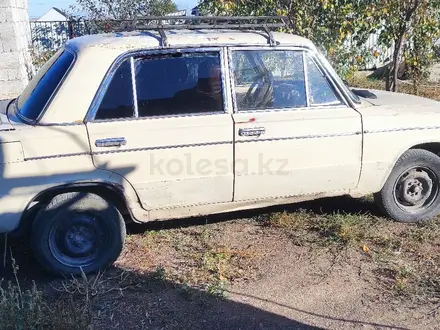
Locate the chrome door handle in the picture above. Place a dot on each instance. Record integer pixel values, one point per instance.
(251, 131)
(111, 142)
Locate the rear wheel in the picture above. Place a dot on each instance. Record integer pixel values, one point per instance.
(77, 231)
(411, 193)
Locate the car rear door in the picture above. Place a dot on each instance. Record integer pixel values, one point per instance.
(294, 133)
(160, 121)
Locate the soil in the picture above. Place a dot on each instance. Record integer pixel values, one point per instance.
(159, 283)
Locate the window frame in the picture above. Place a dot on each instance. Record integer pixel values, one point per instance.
(305, 50)
(326, 77)
(36, 122)
(102, 89)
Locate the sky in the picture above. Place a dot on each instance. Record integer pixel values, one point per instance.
(38, 7)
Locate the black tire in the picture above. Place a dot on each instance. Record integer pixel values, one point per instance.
(77, 230)
(406, 196)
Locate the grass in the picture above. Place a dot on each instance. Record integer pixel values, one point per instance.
(30, 309)
(406, 257)
(193, 258)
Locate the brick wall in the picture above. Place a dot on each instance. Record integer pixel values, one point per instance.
(15, 63)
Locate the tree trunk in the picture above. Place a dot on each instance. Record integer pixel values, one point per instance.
(399, 45)
(396, 61)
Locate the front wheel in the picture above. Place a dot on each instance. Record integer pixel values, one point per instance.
(77, 231)
(411, 192)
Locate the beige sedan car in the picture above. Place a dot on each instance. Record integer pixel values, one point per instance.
(187, 121)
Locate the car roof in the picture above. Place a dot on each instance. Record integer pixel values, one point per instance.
(136, 40)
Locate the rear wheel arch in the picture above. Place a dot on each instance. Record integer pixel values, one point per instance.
(109, 191)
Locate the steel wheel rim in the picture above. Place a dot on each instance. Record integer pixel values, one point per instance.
(79, 240)
(416, 189)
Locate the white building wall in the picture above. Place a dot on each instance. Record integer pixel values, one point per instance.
(15, 63)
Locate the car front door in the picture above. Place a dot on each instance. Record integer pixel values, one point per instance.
(163, 117)
(294, 133)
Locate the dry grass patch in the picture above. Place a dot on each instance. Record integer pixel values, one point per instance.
(193, 258)
(406, 257)
(30, 309)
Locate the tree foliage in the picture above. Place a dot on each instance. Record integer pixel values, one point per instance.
(334, 25)
(410, 27)
(340, 28)
(123, 9)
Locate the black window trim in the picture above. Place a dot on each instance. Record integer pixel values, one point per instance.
(97, 99)
(346, 102)
(52, 96)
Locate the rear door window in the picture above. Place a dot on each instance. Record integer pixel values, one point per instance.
(118, 101)
(164, 85)
(179, 84)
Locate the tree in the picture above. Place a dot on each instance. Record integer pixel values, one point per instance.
(123, 9)
(423, 33)
(338, 27)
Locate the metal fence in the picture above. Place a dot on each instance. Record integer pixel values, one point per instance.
(51, 35)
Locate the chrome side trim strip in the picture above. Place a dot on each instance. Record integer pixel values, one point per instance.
(57, 156)
(179, 146)
(312, 108)
(98, 121)
(301, 137)
(401, 129)
(131, 150)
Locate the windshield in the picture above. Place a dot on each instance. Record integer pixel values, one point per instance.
(40, 89)
(338, 79)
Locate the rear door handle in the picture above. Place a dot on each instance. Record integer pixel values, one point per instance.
(111, 142)
(251, 131)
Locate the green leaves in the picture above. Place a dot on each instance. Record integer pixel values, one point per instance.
(123, 9)
(340, 28)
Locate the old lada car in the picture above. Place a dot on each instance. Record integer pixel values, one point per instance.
(175, 121)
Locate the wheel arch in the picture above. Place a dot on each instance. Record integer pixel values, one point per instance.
(107, 190)
(431, 146)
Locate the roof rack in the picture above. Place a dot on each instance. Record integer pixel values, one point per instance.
(163, 23)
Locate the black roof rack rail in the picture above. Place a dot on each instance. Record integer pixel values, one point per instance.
(163, 23)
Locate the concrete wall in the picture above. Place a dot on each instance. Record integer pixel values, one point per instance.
(15, 63)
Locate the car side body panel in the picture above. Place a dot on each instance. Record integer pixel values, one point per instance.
(396, 123)
(44, 157)
(57, 150)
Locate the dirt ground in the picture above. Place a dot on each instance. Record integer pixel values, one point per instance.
(238, 271)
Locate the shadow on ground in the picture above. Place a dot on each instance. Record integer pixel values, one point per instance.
(136, 300)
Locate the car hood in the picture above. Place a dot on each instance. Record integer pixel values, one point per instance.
(383, 110)
(400, 101)
(5, 125)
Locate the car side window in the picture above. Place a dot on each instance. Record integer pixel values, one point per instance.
(320, 90)
(269, 79)
(118, 99)
(178, 84)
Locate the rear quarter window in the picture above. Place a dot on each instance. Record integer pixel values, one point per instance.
(40, 89)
